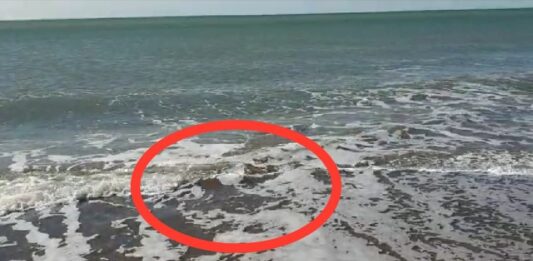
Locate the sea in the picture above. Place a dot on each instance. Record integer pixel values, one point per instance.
(428, 115)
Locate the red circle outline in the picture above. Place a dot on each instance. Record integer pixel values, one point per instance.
(231, 125)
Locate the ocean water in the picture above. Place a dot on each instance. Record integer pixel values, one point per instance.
(429, 116)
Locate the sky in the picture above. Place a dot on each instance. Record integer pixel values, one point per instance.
(59, 9)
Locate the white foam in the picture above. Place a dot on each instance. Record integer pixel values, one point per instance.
(232, 177)
(97, 140)
(197, 191)
(49, 245)
(41, 189)
(154, 245)
(76, 245)
(509, 170)
(60, 158)
(272, 219)
(38, 189)
(327, 243)
(4, 242)
(19, 162)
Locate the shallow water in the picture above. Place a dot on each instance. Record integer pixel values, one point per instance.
(429, 116)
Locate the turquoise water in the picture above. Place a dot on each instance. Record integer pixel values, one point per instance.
(68, 85)
(429, 116)
(63, 73)
(60, 80)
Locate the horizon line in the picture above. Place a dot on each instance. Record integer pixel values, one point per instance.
(266, 14)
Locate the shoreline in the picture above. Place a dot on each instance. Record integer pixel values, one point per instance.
(392, 223)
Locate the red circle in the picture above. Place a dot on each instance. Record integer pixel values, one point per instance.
(231, 125)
